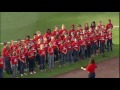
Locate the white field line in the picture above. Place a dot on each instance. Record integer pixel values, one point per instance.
(9, 42)
(23, 40)
(115, 26)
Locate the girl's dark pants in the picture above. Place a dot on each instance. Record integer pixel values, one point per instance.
(31, 65)
(8, 66)
(22, 67)
(1, 72)
(88, 51)
(109, 45)
(102, 47)
(42, 63)
(56, 54)
(91, 75)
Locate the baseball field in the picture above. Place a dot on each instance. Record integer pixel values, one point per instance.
(15, 25)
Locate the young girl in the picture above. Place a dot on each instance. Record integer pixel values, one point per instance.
(99, 25)
(22, 59)
(72, 30)
(65, 38)
(25, 48)
(82, 47)
(93, 25)
(84, 32)
(98, 37)
(63, 31)
(34, 47)
(26, 41)
(72, 37)
(12, 46)
(88, 46)
(17, 51)
(86, 27)
(7, 61)
(105, 33)
(55, 48)
(58, 42)
(39, 35)
(109, 25)
(76, 48)
(63, 53)
(14, 64)
(31, 57)
(45, 43)
(35, 38)
(102, 43)
(109, 41)
(90, 32)
(39, 42)
(56, 31)
(94, 44)
(4, 49)
(51, 56)
(42, 53)
(91, 68)
(69, 51)
(1, 66)
(79, 29)
(77, 35)
(85, 38)
(48, 35)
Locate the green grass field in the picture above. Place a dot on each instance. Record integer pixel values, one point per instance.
(16, 25)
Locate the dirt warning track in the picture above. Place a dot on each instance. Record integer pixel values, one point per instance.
(106, 69)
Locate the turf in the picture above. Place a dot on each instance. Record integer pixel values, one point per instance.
(18, 25)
